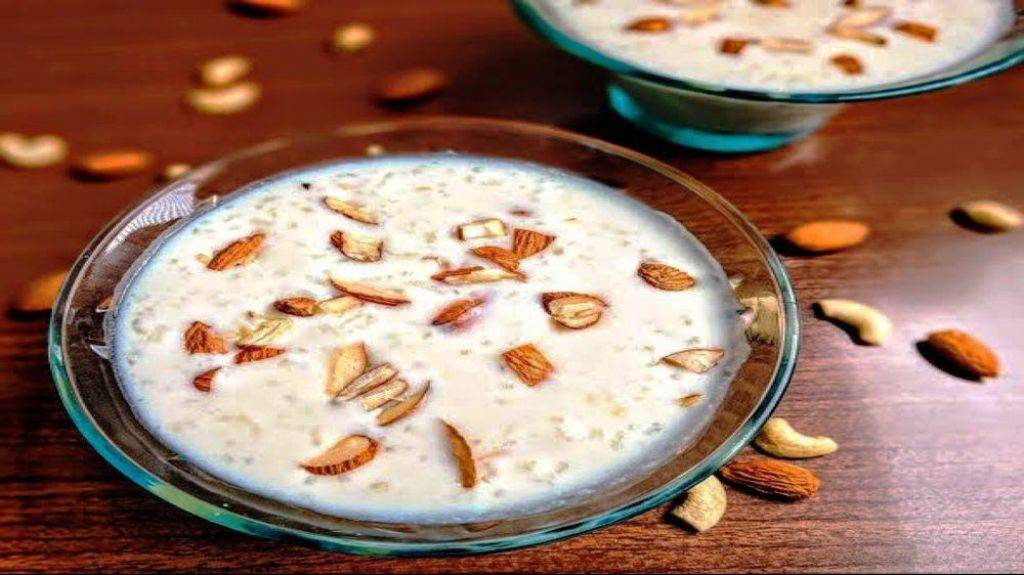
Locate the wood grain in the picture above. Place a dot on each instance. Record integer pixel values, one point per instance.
(928, 477)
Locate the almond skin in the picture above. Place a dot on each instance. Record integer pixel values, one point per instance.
(252, 353)
(297, 306)
(827, 235)
(39, 294)
(526, 243)
(733, 46)
(850, 65)
(648, 25)
(965, 352)
(370, 293)
(917, 30)
(237, 253)
(398, 410)
(201, 338)
(772, 478)
(455, 311)
(345, 455)
(665, 277)
(204, 381)
(111, 164)
(410, 85)
(528, 363)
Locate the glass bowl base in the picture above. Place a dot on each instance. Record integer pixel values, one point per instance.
(729, 142)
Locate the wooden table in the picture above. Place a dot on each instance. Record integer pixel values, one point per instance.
(930, 475)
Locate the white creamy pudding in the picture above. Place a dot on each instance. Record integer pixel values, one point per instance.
(284, 341)
(787, 45)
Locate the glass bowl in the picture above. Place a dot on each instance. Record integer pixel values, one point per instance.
(87, 385)
(722, 119)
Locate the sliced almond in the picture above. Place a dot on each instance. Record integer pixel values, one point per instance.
(733, 46)
(463, 455)
(772, 3)
(352, 210)
(529, 364)
(690, 400)
(859, 35)
(863, 17)
(402, 408)
(795, 45)
(456, 311)
(850, 65)
(269, 7)
(112, 164)
(33, 152)
(487, 228)
(204, 381)
(358, 247)
(39, 294)
(379, 375)
(222, 101)
(383, 393)
(650, 24)
(701, 13)
(772, 478)
(370, 293)
(265, 332)
(298, 306)
(697, 360)
(665, 277)
(223, 71)
(526, 243)
(573, 310)
(475, 275)
(500, 256)
(352, 37)
(347, 363)
(252, 353)
(410, 85)
(339, 305)
(237, 253)
(919, 30)
(201, 338)
(345, 455)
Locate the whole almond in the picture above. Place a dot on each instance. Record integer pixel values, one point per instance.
(204, 381)
(411, 85)
(298, 306)
(965, 352)
(237, 253)
(665, 277)
(201, 338)
(827, 235)
(111, 164)
(772, 478)
(39, 294)
(252, 353)
(528, 363)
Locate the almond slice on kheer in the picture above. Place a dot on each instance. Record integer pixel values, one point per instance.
(346, 454)
(369, 292)
(347, 363)
(402, 408)
(351, 210)
(463, 455)
(573, 310)
(486, 228)
(697, 360)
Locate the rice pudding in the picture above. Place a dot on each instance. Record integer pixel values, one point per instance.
(436, 338)
(787, 45)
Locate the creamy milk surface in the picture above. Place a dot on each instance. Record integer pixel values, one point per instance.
(962, 28)
(610, 411)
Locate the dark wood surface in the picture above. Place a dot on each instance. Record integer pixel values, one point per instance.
(930, 475)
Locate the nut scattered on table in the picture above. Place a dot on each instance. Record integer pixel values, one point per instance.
(410, 85)
(228, 100)
(873, 327)
(778, 438)
(772, 478)
(992, 215)
(39, 294)
(352, 37)
(31, 152)
(824, 236)
(223, 71)
(112, 164)
(704, 505)
(965, 352)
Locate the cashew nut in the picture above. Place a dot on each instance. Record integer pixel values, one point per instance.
(873, 327)
(704, 505)
(227, 100)
(224, 71)
(23, 152)
(993, 215)
(778, 438)
(352, 37)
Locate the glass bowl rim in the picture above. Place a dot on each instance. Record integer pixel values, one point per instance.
(531, 16)
(109, 450)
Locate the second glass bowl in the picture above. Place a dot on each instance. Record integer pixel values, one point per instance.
(91, 393)
(721, 119)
